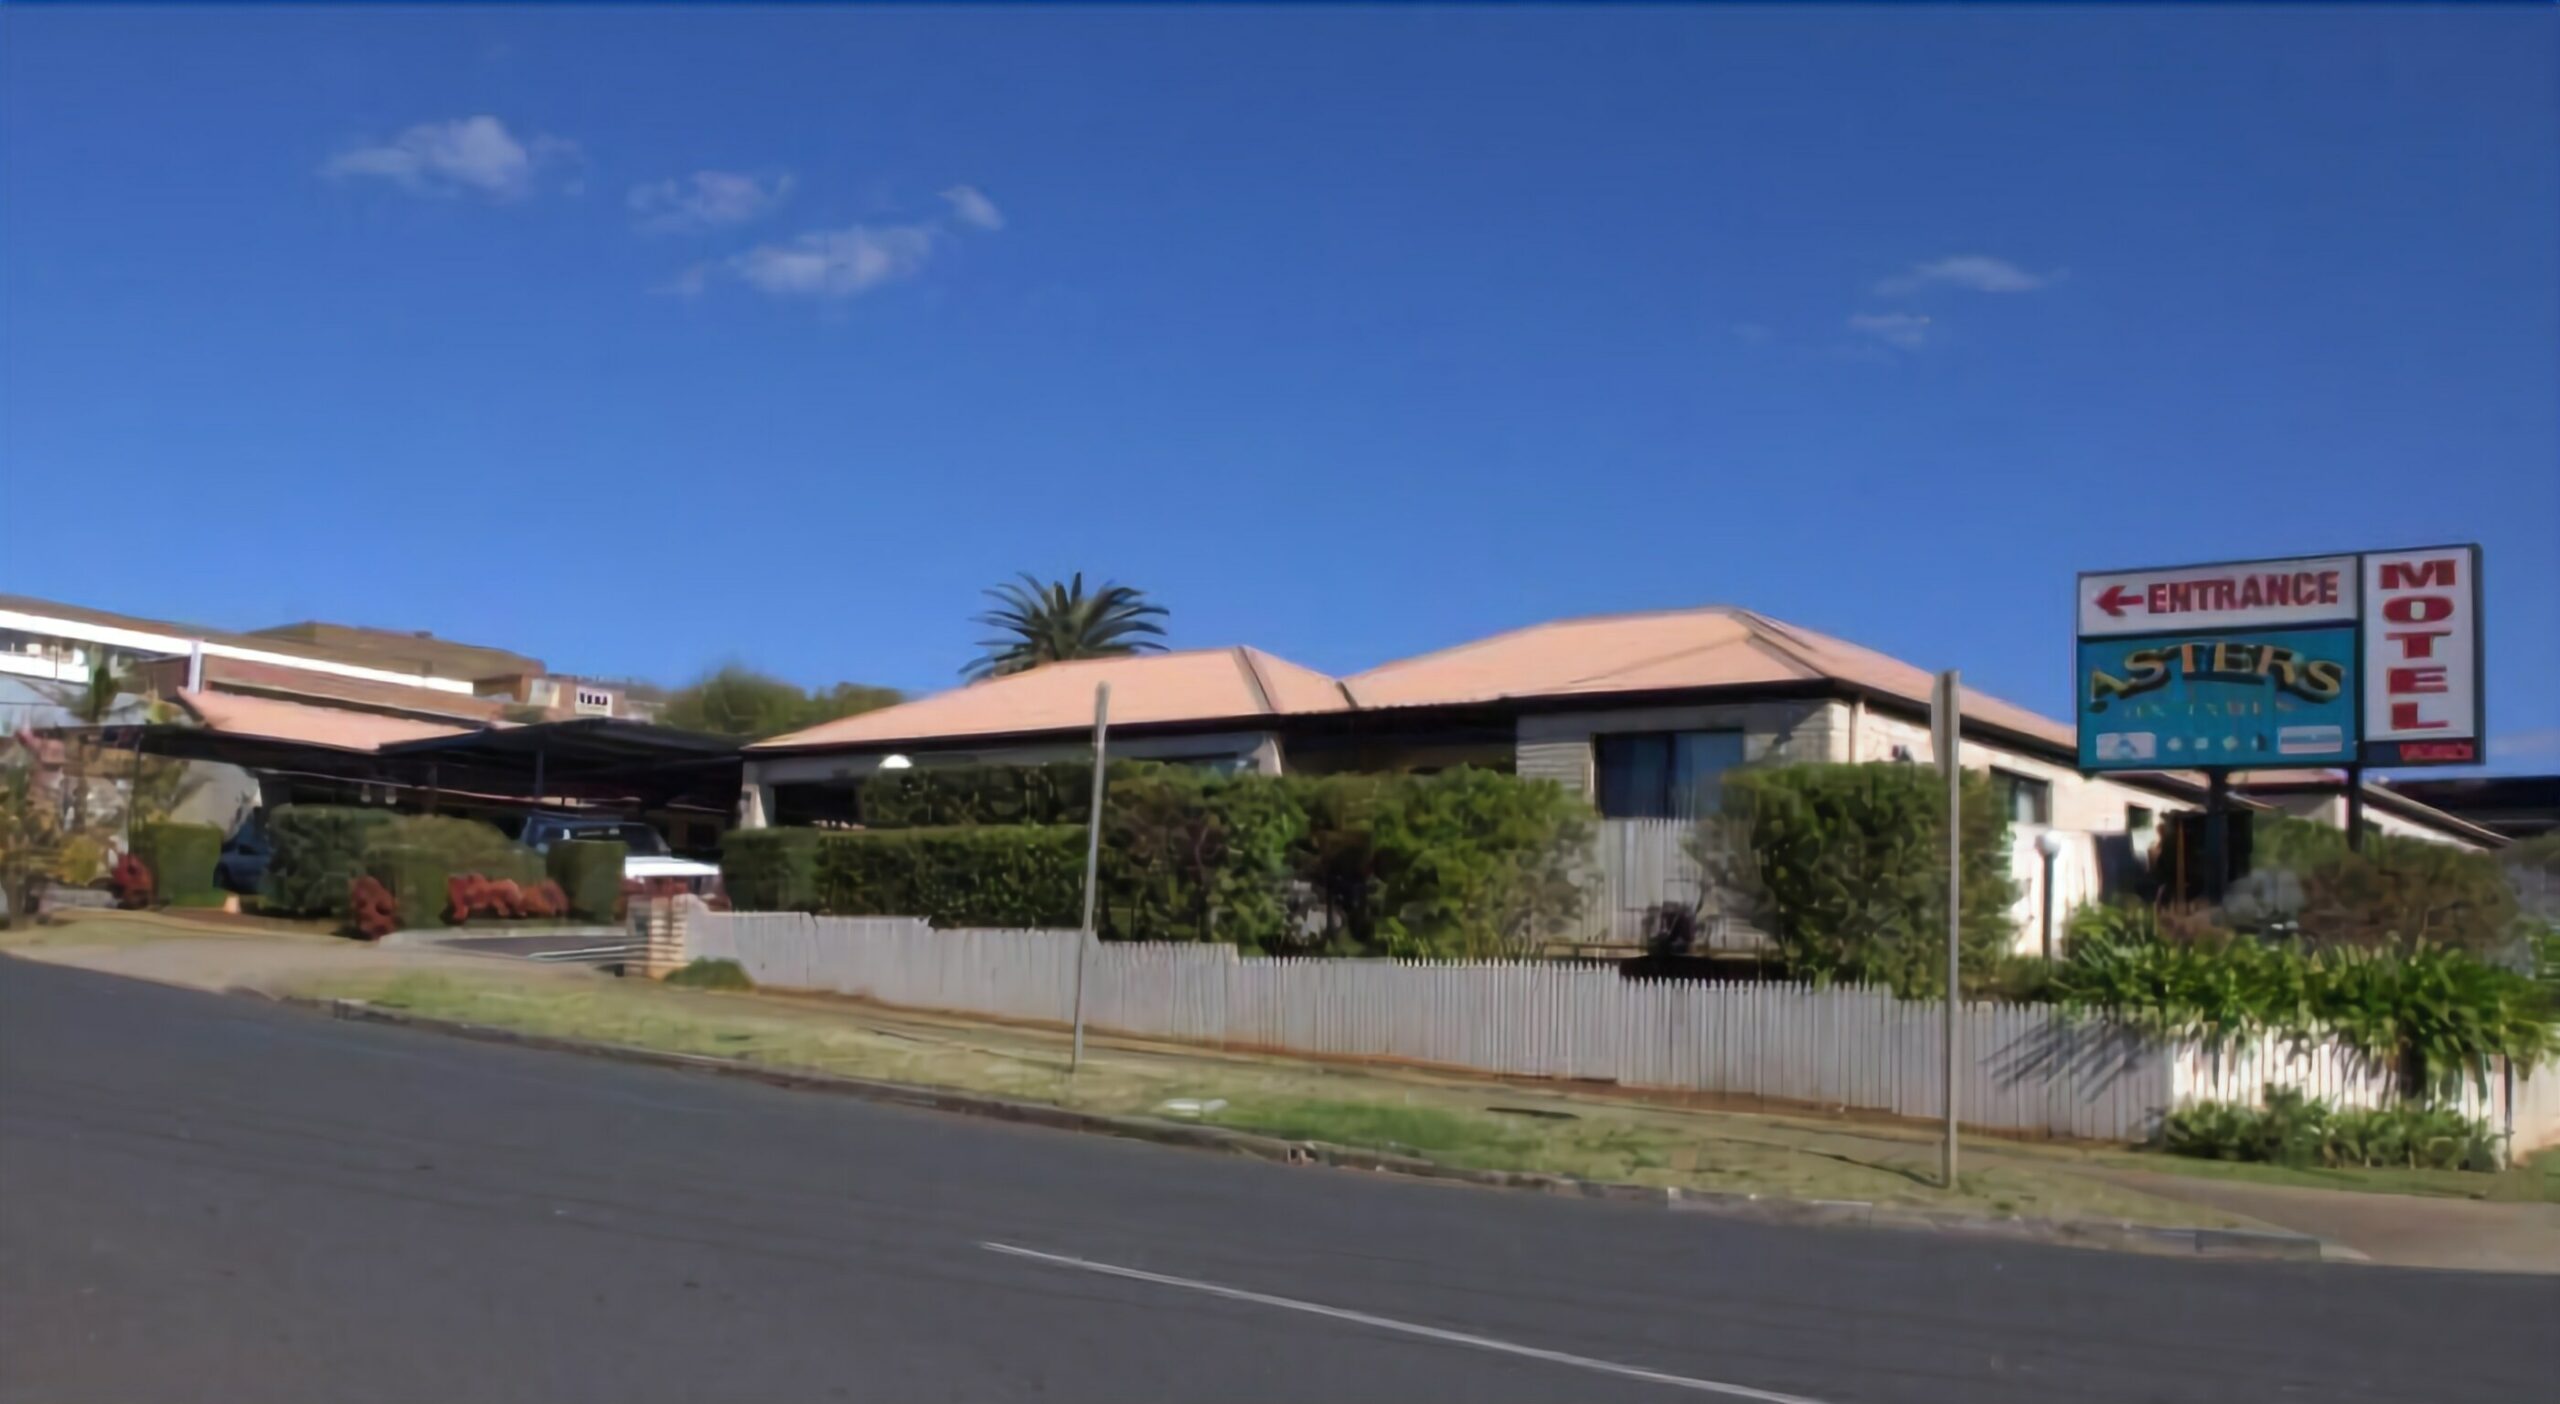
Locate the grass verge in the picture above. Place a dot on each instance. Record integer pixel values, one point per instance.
(1476, 1125)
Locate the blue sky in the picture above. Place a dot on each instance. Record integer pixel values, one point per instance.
(639, 339)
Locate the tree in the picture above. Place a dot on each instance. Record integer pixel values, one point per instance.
(735, 700)
(1051, 623)
(30, 835)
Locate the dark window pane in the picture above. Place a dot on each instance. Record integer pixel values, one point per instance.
(1698, 763)
(1635, 776)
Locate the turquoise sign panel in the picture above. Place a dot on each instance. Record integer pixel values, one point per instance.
(2232, 698)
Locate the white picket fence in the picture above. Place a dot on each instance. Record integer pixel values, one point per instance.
(2024, 1067)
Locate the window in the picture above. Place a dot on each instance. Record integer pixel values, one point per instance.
(2138, 818)
(2025, 799)
(1665, 774)
(592, 702)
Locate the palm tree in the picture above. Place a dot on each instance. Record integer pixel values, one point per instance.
(1037, 623)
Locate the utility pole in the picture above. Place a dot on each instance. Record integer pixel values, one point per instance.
(1092, 864)
(1947, 713)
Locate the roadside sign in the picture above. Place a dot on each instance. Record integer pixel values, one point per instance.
(2422, 697)
(2242, 594)
(2358, 659)
(2252, 697)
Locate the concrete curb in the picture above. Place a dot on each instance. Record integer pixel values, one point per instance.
(2083, 1233)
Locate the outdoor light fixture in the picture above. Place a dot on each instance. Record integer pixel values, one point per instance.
(2049, 844)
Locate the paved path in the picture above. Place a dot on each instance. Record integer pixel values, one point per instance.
(210, 1198)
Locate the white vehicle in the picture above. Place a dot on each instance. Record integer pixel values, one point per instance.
(645, 856)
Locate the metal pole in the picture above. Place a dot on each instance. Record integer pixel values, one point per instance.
(1092, 863)
(2217, 834)
(1950, 719)
(2048, 903)
(2355, 808)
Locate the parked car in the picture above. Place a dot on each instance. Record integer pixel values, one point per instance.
(646, 858)
(242, 864)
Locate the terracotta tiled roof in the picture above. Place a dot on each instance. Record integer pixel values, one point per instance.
(1201, 685)
(337, 727)
(1716, 646)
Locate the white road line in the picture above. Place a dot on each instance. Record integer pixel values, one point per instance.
(1386, 1323)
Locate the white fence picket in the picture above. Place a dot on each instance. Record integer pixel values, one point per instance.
(2023, 1067)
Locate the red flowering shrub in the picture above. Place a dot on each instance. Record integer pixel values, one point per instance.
(132, 879)
(372, 908)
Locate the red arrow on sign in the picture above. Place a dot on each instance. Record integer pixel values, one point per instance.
(2115, 599)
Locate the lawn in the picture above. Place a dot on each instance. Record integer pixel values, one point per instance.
(1465, 1123)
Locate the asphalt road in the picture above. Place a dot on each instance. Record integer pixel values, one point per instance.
(216, 1199)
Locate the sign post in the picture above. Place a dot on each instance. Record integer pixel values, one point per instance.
(1946, 716)
(1092, 866)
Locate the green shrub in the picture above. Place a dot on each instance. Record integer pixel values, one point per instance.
(2405, 891)
(2292, 1129)
(2284, 844)
(1472, 863)
(1845, 867)
(712, 975)
(590, 872)
(181, 858)
(770, 870)
(2433, 1017)
(2215, 990)
(319, 853)
(463, 846)
(945, 797)
(415, 878)
(1020, 876)
(1188, 855)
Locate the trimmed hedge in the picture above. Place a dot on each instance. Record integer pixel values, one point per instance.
(770, 870)
(415, 877)
(1060, 793)
(1845, 867)
(463, 846)
(1021, 875)
(181, 858)
(319, 853)
(590, 871)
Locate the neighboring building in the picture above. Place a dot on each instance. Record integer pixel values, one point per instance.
(2516, 806)
(2321, 795)
(1643, 713)
(327, 664)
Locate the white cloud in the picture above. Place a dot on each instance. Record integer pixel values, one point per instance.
(708, 200)
(1907, 330)
(1750, 333)
(2526, 745)
(838, 263)
(690, 283)
(475, 155)
(846, 263)
(1973, 272)
(971, 207)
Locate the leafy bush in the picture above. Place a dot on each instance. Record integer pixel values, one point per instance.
(1193, 856)
(319, 852)
(181, 857)
(590, 873)
(712, 975)
(462, 845)
(2214, 990)
(415, 878)
(2404, 891)
(2430, 1016)
(80, 861)
(771, 870)
(1059, 793)
(371, 908)
(1473, 863)
(2282, 843)
(2292, 1129)
(1845, 867)
(1024, 875)
(2434, 1017)
(132, 882)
